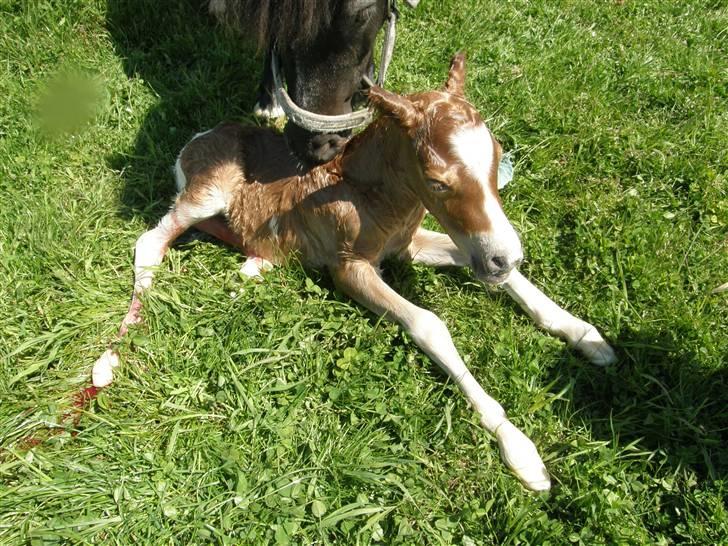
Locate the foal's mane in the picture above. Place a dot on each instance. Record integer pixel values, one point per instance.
(287, 23)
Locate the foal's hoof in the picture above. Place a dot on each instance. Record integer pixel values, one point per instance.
(592, 345)
(103, 372)
(521, 456)
(271, 111)
(254, 267)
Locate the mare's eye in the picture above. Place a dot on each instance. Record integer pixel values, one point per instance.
(437, 187)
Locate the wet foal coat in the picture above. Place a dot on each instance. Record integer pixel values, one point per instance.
(428, 151)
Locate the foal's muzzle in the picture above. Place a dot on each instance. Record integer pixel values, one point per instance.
(494, 269)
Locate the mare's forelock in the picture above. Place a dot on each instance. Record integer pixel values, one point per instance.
(287, 23)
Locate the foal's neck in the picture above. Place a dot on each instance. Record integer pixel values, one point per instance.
(382, 158)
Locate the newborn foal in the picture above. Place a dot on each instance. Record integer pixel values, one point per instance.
(428, 151)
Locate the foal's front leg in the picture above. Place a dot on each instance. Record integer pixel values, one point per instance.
(548, 315)
(437, 249)
(360, 280)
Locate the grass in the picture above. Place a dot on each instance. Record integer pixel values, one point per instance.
(288, 414)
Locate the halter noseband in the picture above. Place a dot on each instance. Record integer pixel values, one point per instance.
(331, 124)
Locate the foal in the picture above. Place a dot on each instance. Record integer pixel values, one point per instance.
(428, 151)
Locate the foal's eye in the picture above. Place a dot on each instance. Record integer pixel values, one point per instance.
(437, 187)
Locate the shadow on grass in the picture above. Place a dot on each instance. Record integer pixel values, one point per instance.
(661, 395)
(200, 74)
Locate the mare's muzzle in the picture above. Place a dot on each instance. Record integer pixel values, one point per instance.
(314, 147)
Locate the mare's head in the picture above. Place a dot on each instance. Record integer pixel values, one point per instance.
(325, 72)
(325, 47)
(456, 170)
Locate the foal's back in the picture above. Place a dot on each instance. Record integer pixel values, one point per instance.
(249, 175)
(232, 153)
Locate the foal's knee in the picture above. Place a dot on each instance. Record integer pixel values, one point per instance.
(427, 328)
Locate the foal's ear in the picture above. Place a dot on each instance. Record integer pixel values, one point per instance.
(394, 105)
(456, 77)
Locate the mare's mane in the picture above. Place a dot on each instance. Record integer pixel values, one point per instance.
(287, 23)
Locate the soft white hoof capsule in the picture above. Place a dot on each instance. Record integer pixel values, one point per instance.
(598, 351)
(520, 455)
(254, 266)
(103, 371)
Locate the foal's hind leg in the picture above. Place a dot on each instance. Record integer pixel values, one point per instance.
(437, 249)
(218, 228)
(254, 266)
(150, 250)
(434, 249)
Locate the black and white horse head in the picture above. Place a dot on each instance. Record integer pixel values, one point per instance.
(325, 48)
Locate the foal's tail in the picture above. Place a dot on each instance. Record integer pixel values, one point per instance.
(180, 179)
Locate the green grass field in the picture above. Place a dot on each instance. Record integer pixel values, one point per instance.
(281, 412)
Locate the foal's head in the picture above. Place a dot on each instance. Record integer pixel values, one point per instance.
(457, 171)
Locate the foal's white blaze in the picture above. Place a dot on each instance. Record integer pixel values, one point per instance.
(474, 147)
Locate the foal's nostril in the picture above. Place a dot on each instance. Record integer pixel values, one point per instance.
(502, 265)
(499, 263)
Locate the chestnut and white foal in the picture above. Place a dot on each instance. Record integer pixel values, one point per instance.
(428, 151)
